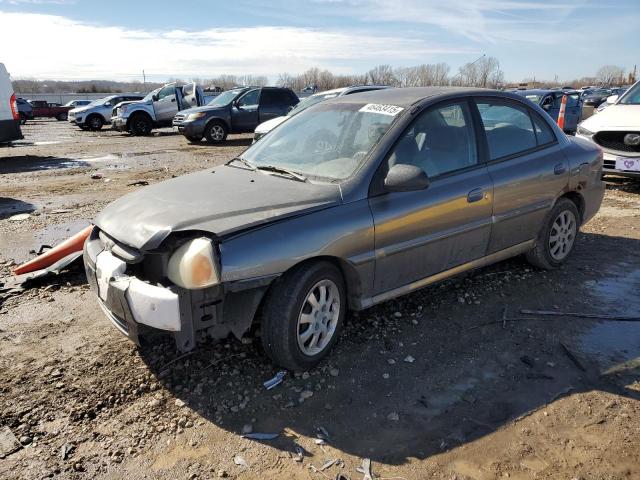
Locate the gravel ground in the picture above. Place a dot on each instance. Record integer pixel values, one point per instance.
(431, 385)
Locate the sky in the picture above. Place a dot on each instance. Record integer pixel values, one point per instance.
(117, 39)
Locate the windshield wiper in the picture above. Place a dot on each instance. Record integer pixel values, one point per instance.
(281, 170)
(243, 161)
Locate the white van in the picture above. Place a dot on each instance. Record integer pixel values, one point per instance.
(9, 115)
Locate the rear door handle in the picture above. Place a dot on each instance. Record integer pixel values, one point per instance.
(559, 169)
(475, 195)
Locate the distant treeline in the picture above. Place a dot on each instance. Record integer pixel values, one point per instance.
(85, 86)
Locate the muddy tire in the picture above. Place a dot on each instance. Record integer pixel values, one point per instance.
(94, 122)
(193, 139)
(23, 118)
(61, 117)
(140, 125)
(302, 315)
(557, 237)
(215, 132)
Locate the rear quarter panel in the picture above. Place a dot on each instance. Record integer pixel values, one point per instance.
(585, 163)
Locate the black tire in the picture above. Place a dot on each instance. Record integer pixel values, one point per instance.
(94, 122)
(216, 132)
(140, 124)
(284, 304)
(61, 117)
(193, 139)
(542, 255)
(23, 118)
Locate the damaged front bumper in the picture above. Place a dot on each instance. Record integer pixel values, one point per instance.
(137, 306)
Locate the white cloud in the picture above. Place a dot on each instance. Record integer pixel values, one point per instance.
(61, 48)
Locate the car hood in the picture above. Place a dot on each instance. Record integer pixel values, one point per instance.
(221, 201)
(204, 108)
(615, 116)
(269, 125)
(82, 109)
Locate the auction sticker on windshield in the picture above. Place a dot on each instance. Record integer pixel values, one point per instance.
(392, 110)
(632, 164)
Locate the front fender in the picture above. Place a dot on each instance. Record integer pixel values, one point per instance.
(344, 233)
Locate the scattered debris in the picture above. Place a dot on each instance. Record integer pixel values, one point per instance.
(140, 183)
(66, 450)
(19, 217)
(409, 359)
(238, 460)
(595, 316)
(324, 432)
(70, 246)
(96, 176)
(572, 357)
(393, 416)
(8, 442)
(299, 453)
(275, 381)
(366, 469)
(260, 436)
(329, 464)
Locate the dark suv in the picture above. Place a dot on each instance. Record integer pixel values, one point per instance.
(239, 110)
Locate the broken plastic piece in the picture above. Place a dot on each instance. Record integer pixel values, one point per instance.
(275, 381)
(66, 248)
(260, 436)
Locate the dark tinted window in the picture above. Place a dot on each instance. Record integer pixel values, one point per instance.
(508, 127)
(276, 98)
(544, 134)
(440, 140)
(250, 99)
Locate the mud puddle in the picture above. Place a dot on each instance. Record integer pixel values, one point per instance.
(615, 345)
(22, 245)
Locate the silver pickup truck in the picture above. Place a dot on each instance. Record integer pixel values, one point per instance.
(157, 109)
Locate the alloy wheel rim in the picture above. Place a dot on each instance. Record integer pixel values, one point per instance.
(318, 317)
(217, 132)
(562, 235)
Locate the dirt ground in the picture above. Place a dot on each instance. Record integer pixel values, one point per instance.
(435, 384)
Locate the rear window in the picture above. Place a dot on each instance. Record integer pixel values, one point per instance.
(508, 128)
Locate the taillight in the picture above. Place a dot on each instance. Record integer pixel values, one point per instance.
(14, 107)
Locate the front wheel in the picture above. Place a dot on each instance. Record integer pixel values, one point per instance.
(215, 132)
(140, 125)
(95, 122)
(557, 237)
(302, 315)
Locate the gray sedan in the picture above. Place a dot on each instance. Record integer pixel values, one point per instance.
(352, 202)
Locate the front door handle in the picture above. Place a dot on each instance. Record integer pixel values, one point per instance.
(475, 195)
(559, 169)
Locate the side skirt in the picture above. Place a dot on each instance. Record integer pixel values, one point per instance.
(481, 262)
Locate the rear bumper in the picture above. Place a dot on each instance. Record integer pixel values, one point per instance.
(10, 131)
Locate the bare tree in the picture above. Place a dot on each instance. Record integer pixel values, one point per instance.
(609, 74)
(381, 75)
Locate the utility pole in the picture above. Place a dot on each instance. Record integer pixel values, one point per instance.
(144, 80)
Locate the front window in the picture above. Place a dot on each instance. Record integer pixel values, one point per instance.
(225, 98)
(534, 98)
(150, 95)
(329, 142)
(631, 96)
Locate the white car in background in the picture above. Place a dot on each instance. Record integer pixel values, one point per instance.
(617, 131)
(265, 127)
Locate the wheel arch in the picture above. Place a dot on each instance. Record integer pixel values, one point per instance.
(135, 114)
(219, 120)
(578, 201)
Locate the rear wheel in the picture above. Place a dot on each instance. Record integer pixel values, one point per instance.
(140, 124)
(303, 314)
(23, 118)
(95, 122)
(216, 132)
(61, 116)
(557, 237)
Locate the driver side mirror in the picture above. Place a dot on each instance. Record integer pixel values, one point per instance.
(289, 108)
(405, 178)
(155, 97)
(612, 98)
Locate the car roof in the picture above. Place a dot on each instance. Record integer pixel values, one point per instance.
(404, 97)
(543, 91)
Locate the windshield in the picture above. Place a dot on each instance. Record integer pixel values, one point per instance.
(631, 96)
(225, 98)
(601, 92)
(150, 95)
(101, 101)
(329, 141)
(310, 101)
